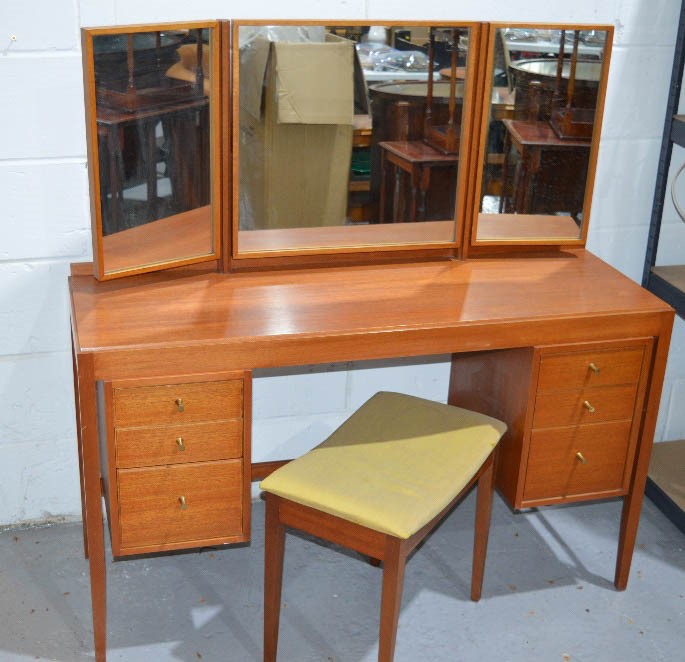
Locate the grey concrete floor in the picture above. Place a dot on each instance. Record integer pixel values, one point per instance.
(547, 596)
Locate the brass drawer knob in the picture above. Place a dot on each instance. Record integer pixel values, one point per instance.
(180, 444)
(179, 404)
(594, 368)
(581, 457)
(182, 501)
(589, 407)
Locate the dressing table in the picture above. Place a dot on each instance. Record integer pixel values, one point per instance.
(561, 346)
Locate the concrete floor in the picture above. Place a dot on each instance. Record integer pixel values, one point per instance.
(547, 596)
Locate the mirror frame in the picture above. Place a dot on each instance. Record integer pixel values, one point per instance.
(215, 123)
(235, 259)
(224, 138)
(474, 246)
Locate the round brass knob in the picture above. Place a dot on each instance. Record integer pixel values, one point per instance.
(589, 407)
(180, 444)
(594, 368)
(581, 457)
(179, 404)
(182, 501)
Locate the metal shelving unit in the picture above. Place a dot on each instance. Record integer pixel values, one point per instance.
(668, 282)
(664, 486)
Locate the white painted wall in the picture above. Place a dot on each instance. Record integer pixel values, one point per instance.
(44, 222)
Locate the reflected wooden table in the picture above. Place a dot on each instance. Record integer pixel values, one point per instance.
(185, 125)
(543, 158)
(417, 159)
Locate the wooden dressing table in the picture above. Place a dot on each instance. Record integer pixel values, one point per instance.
(563, 347)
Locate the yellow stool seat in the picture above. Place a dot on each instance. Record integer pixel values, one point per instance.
(394, 465)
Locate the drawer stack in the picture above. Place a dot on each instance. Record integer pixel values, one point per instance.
(178, 464)
(583, 432)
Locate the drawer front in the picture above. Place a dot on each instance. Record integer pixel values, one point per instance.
(196, 442)
(556, 471)
(170, 404)
(151, 511)
(589, 405)
(591, 368)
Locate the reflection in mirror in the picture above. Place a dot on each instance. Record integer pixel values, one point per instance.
(348, 136)
(152, 138)
(541, 134)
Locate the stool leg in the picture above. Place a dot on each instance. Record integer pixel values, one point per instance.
(274, 548)
(482, 526)
(394, 560)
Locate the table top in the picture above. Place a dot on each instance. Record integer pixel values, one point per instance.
(298, 317)
(417, 151)
(541, 134)
(108, 117)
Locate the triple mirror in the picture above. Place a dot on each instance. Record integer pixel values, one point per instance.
(437, 138)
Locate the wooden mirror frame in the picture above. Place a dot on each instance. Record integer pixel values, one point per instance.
(531, 239)
(261, 254)
(159, 246)
(224, 158)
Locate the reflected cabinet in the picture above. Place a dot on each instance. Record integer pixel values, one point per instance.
(271, 143)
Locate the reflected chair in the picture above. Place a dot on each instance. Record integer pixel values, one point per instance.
(379, 485)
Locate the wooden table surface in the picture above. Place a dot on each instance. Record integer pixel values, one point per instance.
(415, 299)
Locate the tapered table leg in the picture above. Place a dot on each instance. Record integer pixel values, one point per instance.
(93, 523)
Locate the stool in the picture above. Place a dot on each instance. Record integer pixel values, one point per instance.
(379, 485)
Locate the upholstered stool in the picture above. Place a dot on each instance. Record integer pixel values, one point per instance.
(379, 484)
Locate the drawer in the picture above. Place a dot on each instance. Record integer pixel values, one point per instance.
(559, 408)
(590, 368)
(196, 442)
(150, 509)
(555, 471)
(169, 404)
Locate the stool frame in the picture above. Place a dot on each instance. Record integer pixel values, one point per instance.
(282, 513)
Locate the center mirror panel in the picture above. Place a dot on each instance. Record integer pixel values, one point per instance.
(540, 133)
(350, 138)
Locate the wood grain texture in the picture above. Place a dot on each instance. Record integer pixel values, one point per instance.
(555, 472)
(179, 239)
(200, 442)
(150, 513)
(569, 407)
(159, 405)
(270, 319)
(499, 384)
(572, 369)
(541, 393)
(92, 491)
(191, 322)
(142, 460)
